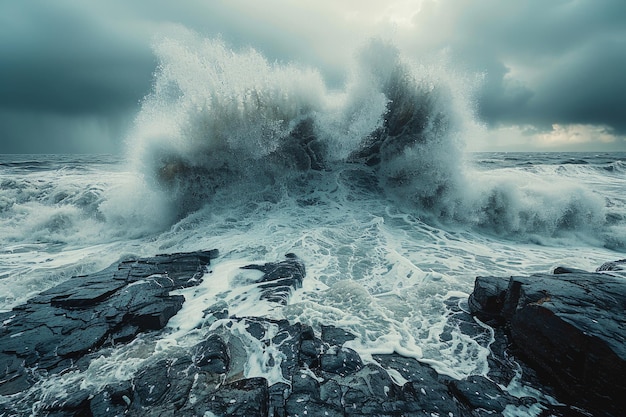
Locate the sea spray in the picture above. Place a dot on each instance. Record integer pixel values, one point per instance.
(218, 117)
(227, 124)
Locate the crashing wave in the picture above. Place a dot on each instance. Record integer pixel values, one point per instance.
(223, 119)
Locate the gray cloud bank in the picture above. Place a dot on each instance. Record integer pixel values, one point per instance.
(549, 62)
(72, 72)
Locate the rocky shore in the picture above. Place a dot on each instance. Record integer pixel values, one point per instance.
(570, 326)
(563, 334)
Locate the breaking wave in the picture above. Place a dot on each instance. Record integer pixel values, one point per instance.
(231, 123)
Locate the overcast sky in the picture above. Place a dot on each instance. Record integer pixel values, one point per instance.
(73, 72)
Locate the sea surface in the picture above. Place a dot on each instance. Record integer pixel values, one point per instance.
(259, 159)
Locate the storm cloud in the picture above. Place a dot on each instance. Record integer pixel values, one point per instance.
(545, 62)
(73, 72)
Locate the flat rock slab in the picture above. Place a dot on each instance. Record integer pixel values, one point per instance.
(112, 306)
(570, 326)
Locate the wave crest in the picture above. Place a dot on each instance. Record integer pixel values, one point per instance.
(222, 119)
(217, 116)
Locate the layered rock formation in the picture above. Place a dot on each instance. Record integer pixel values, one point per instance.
(568, 325)
(59, 326)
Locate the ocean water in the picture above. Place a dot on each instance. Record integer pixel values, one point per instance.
(369, 185)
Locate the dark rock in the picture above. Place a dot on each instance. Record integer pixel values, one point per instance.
(151, 384)
(114, 400)
(302, 405)
(304, 383)
(101, 405)
(163, 388)
(94, 292)
(370, 391)
(152, 307)
(125, 334)
(340, 361)
(502, 365)
(336, 336)
(303, 150)
(204, 379)
(66, 322)
(613, 266)
(289, 339)
(478, 392)
(338, 383)
(571, 328)
(310, 351)
(321, 375)
(75, 404)
(459, 320)
(429, 399)
(566, 270)
(257, 327)
(409, 368)
(243, 398)
(218, 310)
(277, 395)
(13, 376)
(280, 279)
(331, 394)
(212, 355)
(408, 115)
(487, 299)
(425, 391)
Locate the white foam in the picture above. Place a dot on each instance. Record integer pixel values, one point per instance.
(226, 283)
(263, 357)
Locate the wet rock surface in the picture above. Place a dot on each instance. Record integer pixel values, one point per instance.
(183, 386)
(570, 327)
(59, 326)
(280, 279)
(295, 370)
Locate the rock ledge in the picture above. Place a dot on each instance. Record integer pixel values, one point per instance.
(570, 326)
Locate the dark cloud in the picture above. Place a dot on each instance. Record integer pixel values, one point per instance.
(550, 62)
(586, 87)
(40, 132)
(57, 60)
(583, 87)
(71, 67)
(80, 67)
(63, 73)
